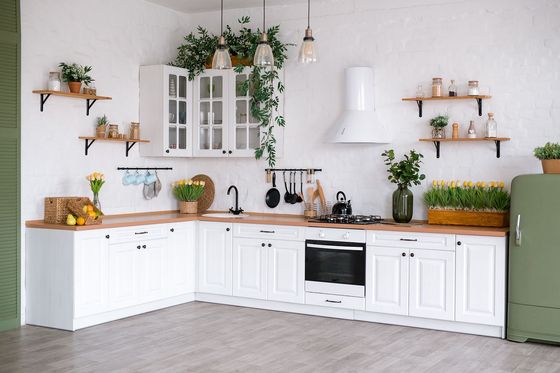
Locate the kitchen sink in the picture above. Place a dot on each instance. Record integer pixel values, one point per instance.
(226, 215)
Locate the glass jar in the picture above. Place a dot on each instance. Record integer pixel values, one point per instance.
(491, 126)
(419, 91)
(437, 87)
(402, 204)
(473, 88)
(54, 81)
(438, 133)
(134, 133)
(471, 133)
(452, 89)
(113, 131)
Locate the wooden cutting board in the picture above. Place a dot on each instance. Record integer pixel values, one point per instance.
(207, 197)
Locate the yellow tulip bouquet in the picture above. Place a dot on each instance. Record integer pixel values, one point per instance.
(96, 181)
(188, 190)
(468, 196)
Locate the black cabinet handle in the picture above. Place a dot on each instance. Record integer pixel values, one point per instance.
(167, 151)
(412, 255)
(223, 152)
(266, 231)
(230, 152)
(403, 254)
(138, 247)
(459, 243)
(227, 229)
(172, 230)
(107, 236)
(262, 244)
(269, 245)
(143, 246)
(409, 239)
(141, 232)
(333, 301)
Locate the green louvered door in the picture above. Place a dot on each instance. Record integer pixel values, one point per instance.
(9, 164)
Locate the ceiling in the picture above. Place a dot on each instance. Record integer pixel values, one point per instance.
(198, 6)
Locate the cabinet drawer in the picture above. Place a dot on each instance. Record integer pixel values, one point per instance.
(329, 234)
(139, 233)
(338, 301)
(412, 240)
(271, 232)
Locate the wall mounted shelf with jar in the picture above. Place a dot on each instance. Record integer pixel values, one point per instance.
(90, 99)
(420, 100)
(497, 141)
(89, 140)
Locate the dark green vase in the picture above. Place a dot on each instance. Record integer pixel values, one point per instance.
(402, 204)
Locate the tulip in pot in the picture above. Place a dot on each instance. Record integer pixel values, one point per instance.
(188, 193)
(549, 154)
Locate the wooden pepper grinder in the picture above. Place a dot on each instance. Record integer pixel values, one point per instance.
(455, 134)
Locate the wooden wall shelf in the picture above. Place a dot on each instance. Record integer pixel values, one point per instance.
(420, 100)
(497, 141)
(90, 99)
(89, 140)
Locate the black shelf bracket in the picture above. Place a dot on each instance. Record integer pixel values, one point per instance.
(437, 144)
(89, 104)
(497, 148)
(88, 144)
(129, 145)
(44, 98)
(419, 103)
(479, 102)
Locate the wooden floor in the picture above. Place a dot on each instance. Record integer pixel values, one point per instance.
(203, 337)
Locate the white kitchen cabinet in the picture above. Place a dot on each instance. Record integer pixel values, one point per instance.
(480, 274)
(180, 259)
(286, 271)
(166, 114)
(124, 263)
(214, 258)
(432, 284)
(249, 268)
(387, 280)
(91, 269)
(151, 272)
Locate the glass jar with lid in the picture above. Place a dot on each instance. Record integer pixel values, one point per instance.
(54, 81)
(113, 131)
(491, 126)
(452, 89)
(473, 88)
(134, 133)
(437, 84)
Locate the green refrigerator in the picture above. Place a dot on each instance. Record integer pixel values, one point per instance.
(534, 259)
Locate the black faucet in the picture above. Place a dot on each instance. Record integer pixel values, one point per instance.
(237, 210)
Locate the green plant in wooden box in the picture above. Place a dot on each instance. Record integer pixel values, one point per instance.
(549, 154)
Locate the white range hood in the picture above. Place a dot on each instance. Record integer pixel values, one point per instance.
(358, 122)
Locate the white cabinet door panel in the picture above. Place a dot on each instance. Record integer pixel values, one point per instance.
(249, 268)
(151, 270)
(123, 274)
(215, 258)
(180, 259)
(286, 271)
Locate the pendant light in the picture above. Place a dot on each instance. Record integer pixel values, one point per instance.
(263, 54)
(221, 59)
(307, 53)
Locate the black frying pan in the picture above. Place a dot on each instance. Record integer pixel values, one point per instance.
(272, 197)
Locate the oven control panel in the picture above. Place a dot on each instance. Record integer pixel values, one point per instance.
(335, 234)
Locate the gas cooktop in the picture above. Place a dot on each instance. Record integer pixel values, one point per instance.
(347, 219)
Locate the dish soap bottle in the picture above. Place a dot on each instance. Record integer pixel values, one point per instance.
(452, 89)
(491, 126)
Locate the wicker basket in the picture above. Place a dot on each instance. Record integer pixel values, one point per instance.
(56, 209)
(76, 208)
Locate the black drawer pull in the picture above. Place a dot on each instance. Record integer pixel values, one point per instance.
(267, 231)
(333, 301)
(172, 230)
(140, 232)
(143, 246)
(107, 236)
(409, 239)
(138, 247)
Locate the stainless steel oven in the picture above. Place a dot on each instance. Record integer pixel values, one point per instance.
(333, 267)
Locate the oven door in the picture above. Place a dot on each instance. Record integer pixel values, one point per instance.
(335, 267)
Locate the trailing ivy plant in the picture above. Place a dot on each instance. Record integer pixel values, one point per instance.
(264, 84)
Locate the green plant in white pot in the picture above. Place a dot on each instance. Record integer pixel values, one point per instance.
(75, 75)
(549, 154)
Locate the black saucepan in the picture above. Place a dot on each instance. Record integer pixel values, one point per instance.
(272, 197)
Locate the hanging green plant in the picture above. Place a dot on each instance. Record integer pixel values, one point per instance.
(264, 85)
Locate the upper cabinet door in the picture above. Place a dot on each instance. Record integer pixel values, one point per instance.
(211, 113)
(178, 116)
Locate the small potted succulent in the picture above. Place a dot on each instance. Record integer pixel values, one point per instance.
(101, 128)
(187, 193)
(438, 125)
(75, 75)
(549, 154)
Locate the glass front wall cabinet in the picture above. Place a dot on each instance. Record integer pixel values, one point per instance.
(166, 97)
(244, 136)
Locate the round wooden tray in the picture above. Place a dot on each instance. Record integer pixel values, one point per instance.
(207, 198)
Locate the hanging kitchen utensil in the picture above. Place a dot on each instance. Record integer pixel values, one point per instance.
(342, 206)
(300, 194)
(287, 194)
(272, 197)
(321, 194)
(293, 196)
(157, 185)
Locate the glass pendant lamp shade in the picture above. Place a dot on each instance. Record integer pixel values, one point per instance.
(263, 55)
(308, 51)
(221, 59)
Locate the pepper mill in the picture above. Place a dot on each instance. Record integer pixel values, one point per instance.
(455, 134)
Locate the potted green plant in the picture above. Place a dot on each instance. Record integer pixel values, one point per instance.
(549, 154)
(264, 85)
(478, 204)
(438, 125)
(187, 193)
(404, 173)
(101, 128)
(75, 75)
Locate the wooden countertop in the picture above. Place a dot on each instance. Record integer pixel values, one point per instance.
(163, 217)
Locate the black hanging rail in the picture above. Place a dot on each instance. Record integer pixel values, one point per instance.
(293, 169)
(144, 168)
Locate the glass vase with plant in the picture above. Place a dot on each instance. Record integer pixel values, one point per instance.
(404, 173)
(96, 181)
(549, 155)
(75, 75)
(438, 125)
(188, 192)
(101, 128)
